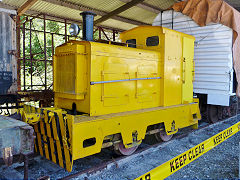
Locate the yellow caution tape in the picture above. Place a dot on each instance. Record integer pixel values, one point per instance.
(175, 164)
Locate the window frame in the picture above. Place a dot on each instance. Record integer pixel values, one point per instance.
(152, 43)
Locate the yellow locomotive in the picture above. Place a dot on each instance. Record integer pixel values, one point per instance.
(114, 95)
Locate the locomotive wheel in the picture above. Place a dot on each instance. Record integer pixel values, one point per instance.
(121, 150)
(162, 136)
(212, 112)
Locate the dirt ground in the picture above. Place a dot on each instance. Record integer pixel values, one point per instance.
(219, 163)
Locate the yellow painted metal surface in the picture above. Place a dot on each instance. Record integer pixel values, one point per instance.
(177, 52)
(119, 91)
(188, 70)
(103, 79)
(61, 136)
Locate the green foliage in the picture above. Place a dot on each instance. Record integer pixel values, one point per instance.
(53, 26)
(37, 66)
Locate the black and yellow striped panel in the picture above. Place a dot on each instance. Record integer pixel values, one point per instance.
(53, 136)
(54, 139)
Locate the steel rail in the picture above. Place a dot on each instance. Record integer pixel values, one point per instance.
(115, 161)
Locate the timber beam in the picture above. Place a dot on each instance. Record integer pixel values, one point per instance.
(118, 10)
(21, 10)
(146, 6)
(81, 7)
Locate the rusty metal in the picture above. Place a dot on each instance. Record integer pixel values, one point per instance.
(12, 52)
(105, 34)
(21, 59)
(25, 167)
(40, 31)
(99, 33)
(154, 131)
(65, 25)
(18, 53)
(28, 138)
(115, 161)
(104, 165)
(24, 62)
(25, 20)
(8, 156)
(45, 50)
(8, 63)
(31, 57)
(114, 37)
(18, 139)
(52, 45)
(45, 97)
(92, 170)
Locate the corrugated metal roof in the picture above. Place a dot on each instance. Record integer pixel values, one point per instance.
(117, 24)
(125, 20)
(139, 14)
(164, 4)
(57, 10)
(104, 5)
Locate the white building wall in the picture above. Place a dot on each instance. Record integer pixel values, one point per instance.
(213, 55)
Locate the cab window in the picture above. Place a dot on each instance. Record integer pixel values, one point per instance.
(152, 41)
(132, 43)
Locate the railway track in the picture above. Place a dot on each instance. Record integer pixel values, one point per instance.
(145, 146)
(40, 167)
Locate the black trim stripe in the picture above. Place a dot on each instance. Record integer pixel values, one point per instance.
(60, 139)
(55, 152)
(43, 145)
(41, 123)
(48, 134)
(45, 136)
(52, 123)
(56, 141)
(52, 142)
(40, 140)
(49, 148)
(68, 137)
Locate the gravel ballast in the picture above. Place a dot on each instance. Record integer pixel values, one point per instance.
(219, 163)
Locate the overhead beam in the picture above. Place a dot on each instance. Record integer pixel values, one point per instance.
(21, 10)
(35, 14)
(118, 10)
(146, 6)
(81, 7)
(69, 20)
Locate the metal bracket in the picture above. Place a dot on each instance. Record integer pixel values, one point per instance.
(12, 52)
(8, 155)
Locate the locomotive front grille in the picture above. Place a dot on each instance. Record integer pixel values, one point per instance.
(65, 74)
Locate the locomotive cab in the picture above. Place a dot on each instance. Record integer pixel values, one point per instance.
(143, 37)
(176, 56)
